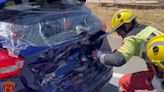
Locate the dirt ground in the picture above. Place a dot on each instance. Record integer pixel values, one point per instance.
(152, 17)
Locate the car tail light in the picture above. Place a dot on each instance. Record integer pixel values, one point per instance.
(9, 66)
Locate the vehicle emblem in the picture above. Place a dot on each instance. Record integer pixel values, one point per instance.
(8, 86)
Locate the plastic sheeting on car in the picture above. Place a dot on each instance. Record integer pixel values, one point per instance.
(21, 29)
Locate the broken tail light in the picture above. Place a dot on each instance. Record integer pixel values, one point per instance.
(9, 66)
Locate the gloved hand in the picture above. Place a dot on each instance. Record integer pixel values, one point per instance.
(96, 55)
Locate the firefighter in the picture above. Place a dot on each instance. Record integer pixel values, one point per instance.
(155, 54)
(135, 36)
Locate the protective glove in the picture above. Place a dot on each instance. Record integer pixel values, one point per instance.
(96, 54)
(109, 58)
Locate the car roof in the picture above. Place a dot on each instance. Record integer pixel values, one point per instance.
(6, 3)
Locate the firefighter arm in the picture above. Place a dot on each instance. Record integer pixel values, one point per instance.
(122, 55)
(114, 59)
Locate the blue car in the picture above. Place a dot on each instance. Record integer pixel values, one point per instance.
(50, 49)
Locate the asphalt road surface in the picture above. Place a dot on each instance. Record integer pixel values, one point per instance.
(134, 65)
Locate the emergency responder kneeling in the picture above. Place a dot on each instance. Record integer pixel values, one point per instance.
(135, 37)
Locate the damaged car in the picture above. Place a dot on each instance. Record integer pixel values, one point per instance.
(50, 49)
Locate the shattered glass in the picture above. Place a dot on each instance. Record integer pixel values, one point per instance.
(20, 30)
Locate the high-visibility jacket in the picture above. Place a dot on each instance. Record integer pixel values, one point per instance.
(133, 45)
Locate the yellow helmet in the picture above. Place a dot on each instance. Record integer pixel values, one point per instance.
(155, 51)
(121, 17)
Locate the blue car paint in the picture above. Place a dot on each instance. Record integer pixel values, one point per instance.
(68, 67)
(66, 80)
(1, 86)
(2, 1)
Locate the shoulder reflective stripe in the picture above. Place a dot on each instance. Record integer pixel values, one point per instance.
(143, 51)
(151, 36)
(155, 44)
(138, 29)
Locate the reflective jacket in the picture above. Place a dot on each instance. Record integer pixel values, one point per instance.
(133, 45)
